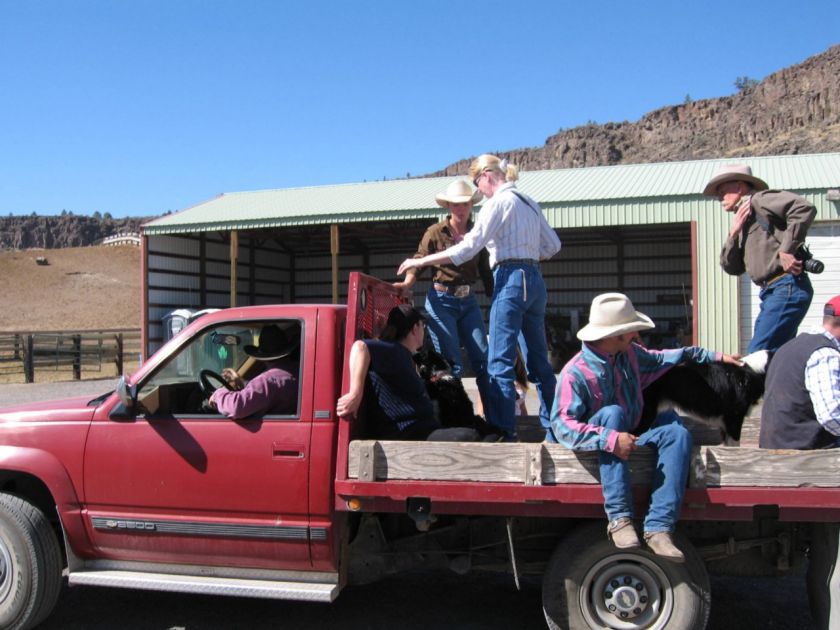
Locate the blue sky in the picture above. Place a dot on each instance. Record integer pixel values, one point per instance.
(143, 106)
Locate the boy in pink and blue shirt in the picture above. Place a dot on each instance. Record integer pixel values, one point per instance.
(598, 407)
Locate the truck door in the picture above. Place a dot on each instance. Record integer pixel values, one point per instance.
(181, 483)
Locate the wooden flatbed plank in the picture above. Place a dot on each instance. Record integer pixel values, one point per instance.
(499, 463)
(443, 461)
(738, 466)
(561, 465)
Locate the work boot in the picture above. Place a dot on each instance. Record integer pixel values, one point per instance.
(623, 534)
(663, 545)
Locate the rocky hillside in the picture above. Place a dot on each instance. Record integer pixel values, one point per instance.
(67, 230)
(795, 110)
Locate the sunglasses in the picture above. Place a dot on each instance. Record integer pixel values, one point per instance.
(478, 178)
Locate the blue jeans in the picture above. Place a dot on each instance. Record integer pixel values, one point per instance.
(783, 307)
(672, 443)
(519, 301)
(454, 322)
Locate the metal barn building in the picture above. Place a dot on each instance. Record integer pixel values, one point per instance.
(641, 229)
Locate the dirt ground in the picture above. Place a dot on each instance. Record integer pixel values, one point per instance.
(82, 288)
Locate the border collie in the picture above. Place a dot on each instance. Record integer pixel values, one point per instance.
(717, 394)
(453, 406)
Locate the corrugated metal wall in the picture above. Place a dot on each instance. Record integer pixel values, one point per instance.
(193, 272)
(641, 247)
(652, 264)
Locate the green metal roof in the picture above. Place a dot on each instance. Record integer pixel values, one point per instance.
(414, 198)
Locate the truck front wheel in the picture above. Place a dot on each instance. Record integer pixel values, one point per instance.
(30, 564)
(589, 583)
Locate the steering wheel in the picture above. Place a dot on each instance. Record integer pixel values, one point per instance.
(206, 378)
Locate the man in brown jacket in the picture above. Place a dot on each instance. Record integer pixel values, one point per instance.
(768, 229)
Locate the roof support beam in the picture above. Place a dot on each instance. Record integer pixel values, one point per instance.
(234, 257)
(334, 247)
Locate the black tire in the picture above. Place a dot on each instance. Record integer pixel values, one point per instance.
(30, 564)
(587, 573)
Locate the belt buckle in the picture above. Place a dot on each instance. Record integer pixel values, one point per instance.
(462, 291)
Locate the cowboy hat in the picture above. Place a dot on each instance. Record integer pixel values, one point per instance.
(733, 173)
(273, 344)
(458, 191)
(613, 314)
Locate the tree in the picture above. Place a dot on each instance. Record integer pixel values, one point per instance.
(743, 84)
(97, 215)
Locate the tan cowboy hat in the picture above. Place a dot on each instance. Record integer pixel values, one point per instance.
(613, 314)
(733, 173)
(458, 191)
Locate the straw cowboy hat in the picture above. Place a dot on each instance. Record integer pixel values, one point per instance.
(458, 191)
(273, 344)
(733, 173)
(613, 314)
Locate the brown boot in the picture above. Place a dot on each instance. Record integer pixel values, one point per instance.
(662, 544)
(623, 534)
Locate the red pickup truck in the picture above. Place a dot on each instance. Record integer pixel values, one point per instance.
(146, 488)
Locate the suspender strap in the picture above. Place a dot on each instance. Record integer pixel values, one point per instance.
(525, 199)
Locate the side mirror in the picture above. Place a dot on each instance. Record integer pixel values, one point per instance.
(127, 393)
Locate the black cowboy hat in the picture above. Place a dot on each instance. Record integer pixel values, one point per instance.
(273, 344)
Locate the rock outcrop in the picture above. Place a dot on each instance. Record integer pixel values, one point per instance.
(795, 110)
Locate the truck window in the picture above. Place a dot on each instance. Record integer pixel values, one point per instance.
(177, 388)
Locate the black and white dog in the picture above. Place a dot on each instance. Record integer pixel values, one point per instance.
(717, 394)
(453, 406)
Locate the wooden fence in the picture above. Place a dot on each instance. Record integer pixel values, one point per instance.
(77, 351)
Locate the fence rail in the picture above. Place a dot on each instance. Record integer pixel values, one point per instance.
(79, 351)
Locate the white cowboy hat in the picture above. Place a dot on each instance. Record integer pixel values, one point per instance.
(613, 314)
(733, 173)
(458, 191)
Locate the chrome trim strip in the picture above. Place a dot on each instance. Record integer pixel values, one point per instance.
(282, 532)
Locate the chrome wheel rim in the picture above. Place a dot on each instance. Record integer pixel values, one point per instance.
(626, 591)
(5, 571)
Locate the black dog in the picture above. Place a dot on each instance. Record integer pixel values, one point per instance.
(717, 394)
(453, 406)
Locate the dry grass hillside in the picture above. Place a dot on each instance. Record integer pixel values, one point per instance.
(82, 288)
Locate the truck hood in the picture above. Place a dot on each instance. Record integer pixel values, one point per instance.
(75, 409)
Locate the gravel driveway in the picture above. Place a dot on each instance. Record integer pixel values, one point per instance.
(420, 601)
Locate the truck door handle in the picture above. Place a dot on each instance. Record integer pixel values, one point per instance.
(294, 451)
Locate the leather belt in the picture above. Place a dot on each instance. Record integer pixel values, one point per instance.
(767, 283)
(517, 261)
(455, 290)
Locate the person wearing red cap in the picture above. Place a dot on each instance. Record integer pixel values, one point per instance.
(802, 411)
(768, 229)
(802, 391)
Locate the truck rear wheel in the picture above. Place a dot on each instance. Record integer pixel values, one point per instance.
(30, 564)
(589, 583)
